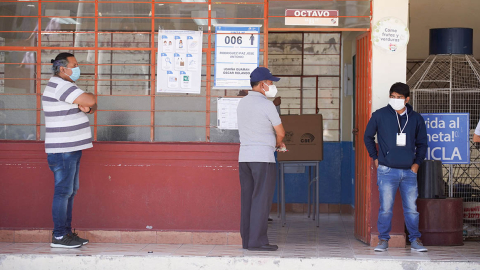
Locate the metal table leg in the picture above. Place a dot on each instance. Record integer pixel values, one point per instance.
(309, 183)
(282, 191)
(318, 193)
(314, 196)
(278, 192)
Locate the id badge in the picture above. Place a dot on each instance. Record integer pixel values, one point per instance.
(401, 139)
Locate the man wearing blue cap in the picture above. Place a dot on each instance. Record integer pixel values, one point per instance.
(261, 131)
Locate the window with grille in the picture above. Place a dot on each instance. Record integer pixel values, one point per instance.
(115, 43)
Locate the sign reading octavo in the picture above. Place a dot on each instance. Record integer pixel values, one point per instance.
(311, 17)
(310, 13)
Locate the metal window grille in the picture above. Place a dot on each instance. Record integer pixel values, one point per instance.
(451, 84)
(116, 43)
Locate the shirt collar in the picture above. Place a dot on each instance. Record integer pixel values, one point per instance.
(257, 94)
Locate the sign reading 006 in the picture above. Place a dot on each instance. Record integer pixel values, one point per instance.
(233, 40)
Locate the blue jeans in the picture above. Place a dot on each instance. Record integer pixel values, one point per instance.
(388, 181)
(65, 168)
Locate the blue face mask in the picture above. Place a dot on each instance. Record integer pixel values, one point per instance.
(75, 73)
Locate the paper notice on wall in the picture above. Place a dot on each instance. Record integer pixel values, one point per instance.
(179, 63)
(227, 113)
(236, 55)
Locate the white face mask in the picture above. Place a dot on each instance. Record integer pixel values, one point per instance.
(272, 91)
(397, 103)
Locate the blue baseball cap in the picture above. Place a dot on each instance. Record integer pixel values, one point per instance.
(261, 74)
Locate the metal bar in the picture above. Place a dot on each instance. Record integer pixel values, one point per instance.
(319, 0)
(95, 114)
(340, 86)
(265, 31)
(38, 75)
(320, 29)
(424, 74)
(309, 189)
(474, 70)
(152, 76)
(209, 74)
(317, 196)
(450, 171)
(323, 16)
(111, 67)
(450, 181)
(278, 191)
(282, 185)
(451, 82)
(316, 96)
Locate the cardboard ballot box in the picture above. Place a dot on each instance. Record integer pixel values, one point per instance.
(303, 137)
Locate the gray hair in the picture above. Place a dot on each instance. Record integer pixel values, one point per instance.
(57, 64)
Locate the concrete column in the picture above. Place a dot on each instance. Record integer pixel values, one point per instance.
(387, 69)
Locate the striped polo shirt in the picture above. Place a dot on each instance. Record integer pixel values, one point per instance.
(67, 128)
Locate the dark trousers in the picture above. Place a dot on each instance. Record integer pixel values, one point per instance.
(257, 181)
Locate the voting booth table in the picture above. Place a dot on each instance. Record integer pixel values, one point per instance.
(304, 142)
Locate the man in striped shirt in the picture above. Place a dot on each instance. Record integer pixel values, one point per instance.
(67, 133)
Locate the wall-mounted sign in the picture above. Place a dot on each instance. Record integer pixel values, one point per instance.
(236, 55)
(390, 34)
(448, 137)
(179, 63)
(311, 17)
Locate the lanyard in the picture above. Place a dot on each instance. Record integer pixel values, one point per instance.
(398, 120)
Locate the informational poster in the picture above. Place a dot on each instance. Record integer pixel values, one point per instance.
(179, 63)
(448, 137)
(311, 17)
(227, 113)
(390, 34)
(236, 55)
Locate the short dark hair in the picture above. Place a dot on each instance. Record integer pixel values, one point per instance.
(253, 84)
(60, 61)
(400, 88)
(62, 56)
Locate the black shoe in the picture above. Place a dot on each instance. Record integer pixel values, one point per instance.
(78, 238)
(270, 220)
(66, 242)
(264, 248)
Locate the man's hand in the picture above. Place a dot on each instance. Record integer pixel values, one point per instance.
(88, 110)
(84, 109)
(376, 163)
(277, 101)
(476, 138)
(281, 147)
(415, 167)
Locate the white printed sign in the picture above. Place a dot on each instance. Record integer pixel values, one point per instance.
(236, 55)
(227, 113)
(390, 34)
(179, 61)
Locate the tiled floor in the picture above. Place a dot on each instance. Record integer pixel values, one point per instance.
(299, 239)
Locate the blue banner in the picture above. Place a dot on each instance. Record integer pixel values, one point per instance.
(448, 137)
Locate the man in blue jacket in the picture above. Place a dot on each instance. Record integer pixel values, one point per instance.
(402, 140)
